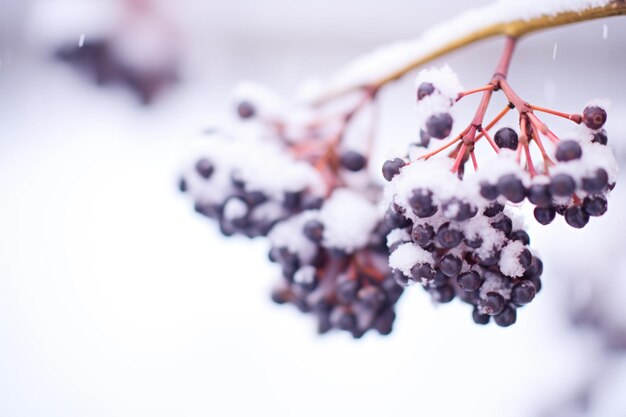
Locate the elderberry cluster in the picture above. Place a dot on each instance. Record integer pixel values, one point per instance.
(448, 239)
(334, 267)
(248, 186)
(573, 184)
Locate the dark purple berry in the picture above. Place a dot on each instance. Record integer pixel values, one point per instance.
(535, 270)
(523, 292)
(458, 210)
(205, 168)
(595, 206)
(521, 236)
(371, 297)
(469, 281)
(512, 188)
(443, 294)
(353, 161)
(246, 110)
(480, 318)
(392, 167)
(597, 182)
(425, 89)
(292, 199)
(439, 279)
(576, 217)
(488, 261)
(449, 237)
(182, 185)
(314, 230)
(594, 117)
(343, 319)
(310, 202)
(439, 125)
(474, 243)
(489, 191)
(493, 209)
(421, 201)
(423, 234)
(507, 317)
(392, 290)
(347, 289)
(281, 295)
(505, 225)
(422, 273)
(562, 185)
(568, 150)
(600, 137)
(450, 265)
(525, 259)
(560, 209)
(506, 138)
(400, 279)
(395, 220)
(383, 324)
(492, 303)
(539, 195)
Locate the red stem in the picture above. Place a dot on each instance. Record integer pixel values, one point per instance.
(490, 87)
(576, 118)
(459, 157)
(474, 161)
(490, 140)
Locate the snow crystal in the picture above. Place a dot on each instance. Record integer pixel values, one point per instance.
(493, 239)
(444, 79)
(509, 259)
(348, 218)
(288, 234)
(261, 165)
(407, 256)
(495, 283)
(397, 235)
(235, 208)
(304, 275)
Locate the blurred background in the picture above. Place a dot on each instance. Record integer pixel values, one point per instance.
(116, 299)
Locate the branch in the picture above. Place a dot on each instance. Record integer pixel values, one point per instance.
(509, 18)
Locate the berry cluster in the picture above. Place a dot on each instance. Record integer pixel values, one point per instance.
(292, 174)
(248, 186)
(452, 232)
(455, 244)
(574, 182)
(334, 265)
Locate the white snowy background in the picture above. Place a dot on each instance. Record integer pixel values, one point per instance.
(117, 300)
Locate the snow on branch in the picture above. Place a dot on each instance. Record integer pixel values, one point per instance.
(503, 17)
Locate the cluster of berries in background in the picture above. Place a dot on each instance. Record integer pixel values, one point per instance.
(300, 183)
(347, 241)
(334, 265)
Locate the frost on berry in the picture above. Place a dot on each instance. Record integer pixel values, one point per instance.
(437, 90)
